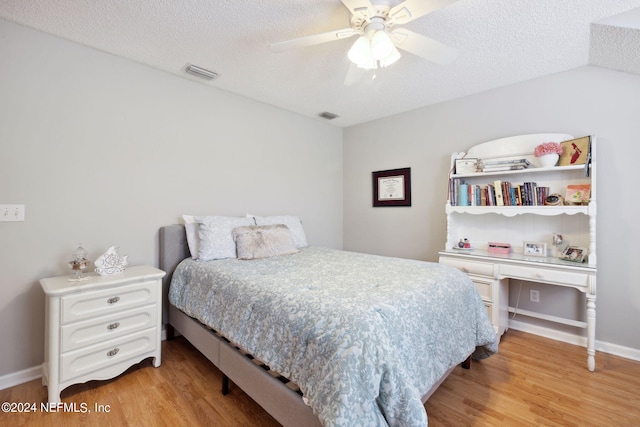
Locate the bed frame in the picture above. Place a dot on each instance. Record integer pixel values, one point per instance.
(273, 394)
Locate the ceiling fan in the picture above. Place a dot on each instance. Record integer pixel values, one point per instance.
(379, 38)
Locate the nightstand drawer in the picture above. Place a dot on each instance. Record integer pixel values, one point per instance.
(100, 357)
(469, 267)
(91, 331)
(545, 275)
(91, 304)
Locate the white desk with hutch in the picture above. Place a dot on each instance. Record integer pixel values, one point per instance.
(491, 272)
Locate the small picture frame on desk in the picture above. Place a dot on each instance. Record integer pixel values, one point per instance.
(574, 254)
(534, 249)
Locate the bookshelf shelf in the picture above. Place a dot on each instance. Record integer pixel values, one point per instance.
(528, 171)
(510, 211)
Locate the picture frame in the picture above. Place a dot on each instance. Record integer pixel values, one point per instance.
(578, 194)
(575, 151)
(391, 187)
(574, 254)
(466, 166)
(534, 249)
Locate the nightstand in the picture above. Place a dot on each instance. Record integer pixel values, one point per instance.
(97, 328)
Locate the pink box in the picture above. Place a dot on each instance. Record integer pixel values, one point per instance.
(499, 248)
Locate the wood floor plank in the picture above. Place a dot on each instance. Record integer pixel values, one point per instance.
(532, 381)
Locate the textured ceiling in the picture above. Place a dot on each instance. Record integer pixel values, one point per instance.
(500, 42)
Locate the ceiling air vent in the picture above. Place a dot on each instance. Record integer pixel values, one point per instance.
(201, 72)
(327, 115)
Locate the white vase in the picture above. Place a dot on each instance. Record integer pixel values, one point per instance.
(548, 160)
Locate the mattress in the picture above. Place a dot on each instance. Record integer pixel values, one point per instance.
(363, 336)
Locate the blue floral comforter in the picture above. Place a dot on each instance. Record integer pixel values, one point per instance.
(363, 336)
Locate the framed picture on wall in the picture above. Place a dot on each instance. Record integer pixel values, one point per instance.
(392, 187)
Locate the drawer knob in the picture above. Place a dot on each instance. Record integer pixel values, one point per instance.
(464, 269)
(113, 326)
(540, 275)
(113, 352)
(113, 300)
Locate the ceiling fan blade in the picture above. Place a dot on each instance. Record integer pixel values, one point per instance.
(424, 47)
(360, 8)
(312, 40)
(409, 10)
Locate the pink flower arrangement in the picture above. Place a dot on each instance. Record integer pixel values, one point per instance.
(547, 148)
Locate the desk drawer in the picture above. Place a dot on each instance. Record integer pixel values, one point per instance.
(484, 289)
(469, 267)
(85, 305)
(489, 308)
(545, 275)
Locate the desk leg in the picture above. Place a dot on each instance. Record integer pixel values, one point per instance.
(591, 332)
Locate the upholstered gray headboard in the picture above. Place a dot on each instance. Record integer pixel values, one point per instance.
(173, 249)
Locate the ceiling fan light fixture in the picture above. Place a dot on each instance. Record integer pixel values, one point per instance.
(375, 24)
(369, 54)
(391, 59)
(368, 64)
(381, 45)
(360, 52)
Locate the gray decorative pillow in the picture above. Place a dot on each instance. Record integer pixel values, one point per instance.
(253, 242)
(293, 222)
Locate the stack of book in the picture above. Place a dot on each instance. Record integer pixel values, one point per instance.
(497, 194)
(505, 165)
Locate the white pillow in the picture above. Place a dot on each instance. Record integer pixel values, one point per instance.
(293, 222)
(216, 240)
(193, 239)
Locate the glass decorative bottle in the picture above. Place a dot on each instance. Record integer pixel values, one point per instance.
(79, 263)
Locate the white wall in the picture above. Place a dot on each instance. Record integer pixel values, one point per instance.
(104, 151)
(580, 102)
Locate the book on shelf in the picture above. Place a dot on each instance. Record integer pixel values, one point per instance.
(506, 193)
(543, 193)
(505, 165)
(491, 195)
(502, 168)
(507, 162)
(452, 191)
(497, 186)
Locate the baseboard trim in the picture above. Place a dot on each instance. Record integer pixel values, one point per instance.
(35, 372)
(605, 347)
(20, 377)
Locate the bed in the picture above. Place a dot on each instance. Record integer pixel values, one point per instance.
(326, 337)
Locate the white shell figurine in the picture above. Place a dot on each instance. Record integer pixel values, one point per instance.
(110, 262)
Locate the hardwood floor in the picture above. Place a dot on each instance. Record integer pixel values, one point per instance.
(532, 381)
(535, 381)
